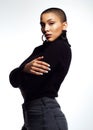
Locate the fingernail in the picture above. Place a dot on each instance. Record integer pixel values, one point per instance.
(46, 71)
(48, 65)
(49, 69)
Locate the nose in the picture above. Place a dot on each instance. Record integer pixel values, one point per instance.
(46, 28)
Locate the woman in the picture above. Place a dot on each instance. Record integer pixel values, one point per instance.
(39, 77)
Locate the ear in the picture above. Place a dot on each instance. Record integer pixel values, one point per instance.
(65, 25)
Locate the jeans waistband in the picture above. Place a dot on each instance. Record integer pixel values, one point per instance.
(44, 101)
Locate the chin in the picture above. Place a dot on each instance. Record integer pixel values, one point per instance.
(50, 40)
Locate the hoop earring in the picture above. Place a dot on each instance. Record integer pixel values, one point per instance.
(43, 38)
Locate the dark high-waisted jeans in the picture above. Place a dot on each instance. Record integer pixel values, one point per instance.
(43, 114)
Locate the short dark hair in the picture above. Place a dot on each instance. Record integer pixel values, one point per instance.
(57, 11)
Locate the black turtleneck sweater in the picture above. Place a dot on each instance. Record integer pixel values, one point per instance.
(58, 55)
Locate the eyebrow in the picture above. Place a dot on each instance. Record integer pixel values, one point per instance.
(47, 21)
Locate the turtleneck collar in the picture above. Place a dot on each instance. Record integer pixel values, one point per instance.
(62, 37)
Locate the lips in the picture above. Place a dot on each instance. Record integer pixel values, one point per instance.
(47, 35)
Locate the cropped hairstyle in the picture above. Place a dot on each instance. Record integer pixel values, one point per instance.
(57, 11)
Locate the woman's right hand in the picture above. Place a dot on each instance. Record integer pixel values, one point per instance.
(37, 66)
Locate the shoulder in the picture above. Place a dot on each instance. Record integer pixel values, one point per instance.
(62, 46)
(38, 47)
(63, 50)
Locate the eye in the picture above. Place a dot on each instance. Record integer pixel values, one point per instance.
(51, 23)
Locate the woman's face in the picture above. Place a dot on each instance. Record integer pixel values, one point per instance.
(52, 26)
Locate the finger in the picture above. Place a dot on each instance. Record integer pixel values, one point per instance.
(40, 70)
(36, 73)
(43, 63)
(39, 58)
(40, 66)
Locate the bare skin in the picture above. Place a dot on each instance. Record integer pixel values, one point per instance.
(51, 27)
(37, 66)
